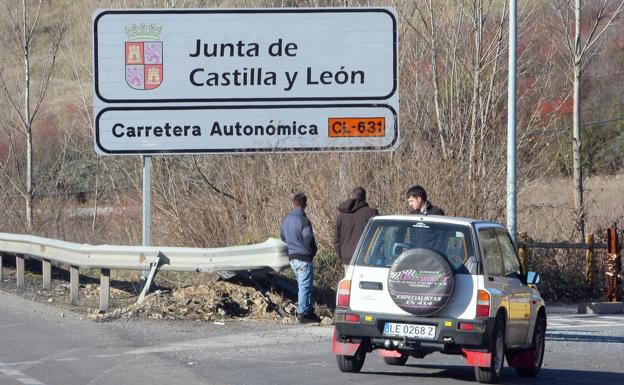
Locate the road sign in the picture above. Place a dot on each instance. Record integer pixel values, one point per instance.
(242, 80)
(142, 130)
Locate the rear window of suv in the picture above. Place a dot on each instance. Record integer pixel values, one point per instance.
(385, 241)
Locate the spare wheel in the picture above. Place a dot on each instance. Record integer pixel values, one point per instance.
(421, 281)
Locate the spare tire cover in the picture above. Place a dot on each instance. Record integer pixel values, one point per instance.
(421, 281)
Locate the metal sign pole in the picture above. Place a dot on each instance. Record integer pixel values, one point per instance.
(511, 125)
(147, 200)
(147, 275)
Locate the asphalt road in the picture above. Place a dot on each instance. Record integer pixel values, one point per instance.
(41, 345)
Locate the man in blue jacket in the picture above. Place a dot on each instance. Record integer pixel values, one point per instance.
(297, 232)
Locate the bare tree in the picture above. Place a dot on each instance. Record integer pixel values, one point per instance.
(465, 45)
(25, 29)
(580, 54)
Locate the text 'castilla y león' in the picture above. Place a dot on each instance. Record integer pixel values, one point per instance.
(258, 76)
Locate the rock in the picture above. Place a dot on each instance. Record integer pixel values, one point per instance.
(290, 308)
(264, 308)
(327, 321)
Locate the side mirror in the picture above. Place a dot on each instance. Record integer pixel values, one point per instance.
(533, 278)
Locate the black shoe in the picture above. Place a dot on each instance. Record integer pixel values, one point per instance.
(308, 318)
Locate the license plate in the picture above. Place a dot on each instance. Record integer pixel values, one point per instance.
(409, 330)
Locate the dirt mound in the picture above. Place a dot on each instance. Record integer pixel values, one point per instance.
(209, 302)
(269, 298)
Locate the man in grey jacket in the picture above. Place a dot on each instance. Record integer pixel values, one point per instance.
(296, 231)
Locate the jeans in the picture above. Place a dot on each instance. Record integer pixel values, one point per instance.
(305, 278)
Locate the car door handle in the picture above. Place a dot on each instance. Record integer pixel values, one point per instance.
(366, 285)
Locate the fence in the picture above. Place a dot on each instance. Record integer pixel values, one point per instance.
(610, 264)
(271, 254)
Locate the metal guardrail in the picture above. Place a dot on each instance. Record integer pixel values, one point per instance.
(611, 257)
(564, 245)
(271, 254)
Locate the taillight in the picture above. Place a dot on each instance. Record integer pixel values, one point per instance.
(466, 326)
(483, 303)
(344, 293)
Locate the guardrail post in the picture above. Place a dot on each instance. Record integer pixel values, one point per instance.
(46, 267)
(522, 251)
(19, 266)
(104, 290)
(74, 283)
(589, 259)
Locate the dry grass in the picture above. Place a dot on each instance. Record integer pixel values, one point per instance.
(546, 206)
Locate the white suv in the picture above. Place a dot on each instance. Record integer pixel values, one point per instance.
(423, 284)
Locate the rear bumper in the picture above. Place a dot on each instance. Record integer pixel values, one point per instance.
(369, 330)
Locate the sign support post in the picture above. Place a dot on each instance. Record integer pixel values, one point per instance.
(147, 200)
(146, 277)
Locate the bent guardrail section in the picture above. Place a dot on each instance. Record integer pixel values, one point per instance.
(271, 254)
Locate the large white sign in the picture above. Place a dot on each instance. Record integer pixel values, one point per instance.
(332, 71)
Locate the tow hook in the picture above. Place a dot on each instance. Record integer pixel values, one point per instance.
(388, 344)
(448, 341)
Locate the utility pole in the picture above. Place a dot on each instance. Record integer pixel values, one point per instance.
(511, 125)
(577, 171)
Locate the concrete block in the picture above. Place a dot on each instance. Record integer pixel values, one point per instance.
(601, 308)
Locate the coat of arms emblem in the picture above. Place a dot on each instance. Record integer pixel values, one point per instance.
(144, 56)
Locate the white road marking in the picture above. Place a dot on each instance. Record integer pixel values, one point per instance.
(20, 363)
(584, 321)
(575, 321)
(588, 316)
(580, 326)
(19, 376)
(572, 323)
(11, 372)
(67, 359)
(28, 381)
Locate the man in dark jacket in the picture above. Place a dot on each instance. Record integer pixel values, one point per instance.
(418, 203)
(353, 215)
(296, 231)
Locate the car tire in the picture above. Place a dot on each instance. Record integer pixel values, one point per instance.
(491, 374)
(539, 344)
(351, 364)
(396, 361)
